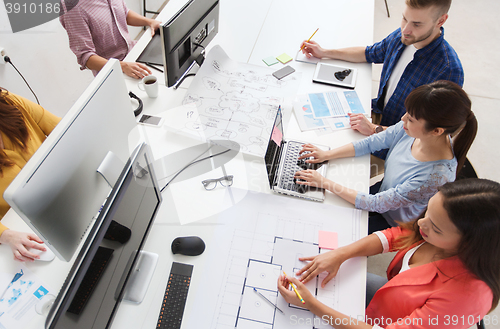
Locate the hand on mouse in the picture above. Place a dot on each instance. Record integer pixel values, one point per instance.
(20, 243)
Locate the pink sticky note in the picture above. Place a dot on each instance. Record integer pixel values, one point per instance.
(277, 136)
(328, 240)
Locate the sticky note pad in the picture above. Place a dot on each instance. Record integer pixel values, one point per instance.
(328, 240)
(270, 60)
(284, 58)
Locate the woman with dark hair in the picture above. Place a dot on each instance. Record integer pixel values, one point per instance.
(446, 273)
(24, 126)
(421, 157)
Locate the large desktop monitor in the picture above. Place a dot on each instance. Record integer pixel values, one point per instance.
(180, 44)
(111, 251)
(59, 192)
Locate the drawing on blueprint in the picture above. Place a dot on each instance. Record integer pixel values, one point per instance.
(233, 101)
(256, 259)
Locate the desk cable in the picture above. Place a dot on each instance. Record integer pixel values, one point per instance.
(192, 163)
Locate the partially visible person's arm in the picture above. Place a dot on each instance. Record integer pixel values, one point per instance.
(331, 261)
(351, 54)
(132, 69)
(134, 19)
(20, 243)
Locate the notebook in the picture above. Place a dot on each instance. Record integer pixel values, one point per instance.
(282, 163)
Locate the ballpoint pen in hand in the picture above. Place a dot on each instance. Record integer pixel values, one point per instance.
(295, 289)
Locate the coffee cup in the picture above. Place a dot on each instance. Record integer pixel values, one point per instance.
(149, 84)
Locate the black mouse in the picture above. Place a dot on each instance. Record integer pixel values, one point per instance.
(188, 245)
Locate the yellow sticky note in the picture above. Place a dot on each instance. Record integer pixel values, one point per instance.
(284, 58)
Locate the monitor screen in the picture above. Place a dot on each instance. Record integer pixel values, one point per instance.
(182, 39)
(119, 233)
(58, 192)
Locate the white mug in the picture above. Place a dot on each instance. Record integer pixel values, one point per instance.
(150, 85)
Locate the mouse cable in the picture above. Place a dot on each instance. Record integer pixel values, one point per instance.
(192, 163)
(7, 60)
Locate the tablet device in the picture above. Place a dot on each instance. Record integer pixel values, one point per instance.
(335, 75)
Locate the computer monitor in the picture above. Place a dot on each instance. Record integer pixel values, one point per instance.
(119, 234)
(58, 192)
(182, 39)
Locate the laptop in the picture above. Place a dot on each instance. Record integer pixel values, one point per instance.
(282, 163)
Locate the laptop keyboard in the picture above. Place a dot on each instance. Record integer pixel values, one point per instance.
(290, 166)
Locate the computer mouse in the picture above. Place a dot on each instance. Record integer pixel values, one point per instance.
(45, 256)
(188, 245)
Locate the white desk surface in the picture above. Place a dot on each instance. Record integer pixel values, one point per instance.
(248, 32)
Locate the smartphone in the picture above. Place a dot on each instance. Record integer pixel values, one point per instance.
(150, 120)
(281, 73)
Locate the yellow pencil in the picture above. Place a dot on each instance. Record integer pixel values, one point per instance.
(296, 292)
(310, 38)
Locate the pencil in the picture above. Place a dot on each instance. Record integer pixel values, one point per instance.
(310, 38)
(295, 289)
(268, 300)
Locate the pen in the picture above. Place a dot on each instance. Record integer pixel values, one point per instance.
(16, 277)
(310, 38)
(151, 65)
(261, 295)
(295, 289)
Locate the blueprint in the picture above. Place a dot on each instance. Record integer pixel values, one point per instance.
(232, 101)
(262, 236)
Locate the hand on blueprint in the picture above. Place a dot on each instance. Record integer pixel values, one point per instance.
(20, 243)
(312, 48)
(329, 262)
(361, 123)
(310, 177)
(290, 296)
(313, 151)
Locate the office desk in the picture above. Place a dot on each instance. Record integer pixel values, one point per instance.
(248, 32)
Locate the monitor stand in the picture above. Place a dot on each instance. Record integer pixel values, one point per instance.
(140, 277)
(196, 64)
(110, 168)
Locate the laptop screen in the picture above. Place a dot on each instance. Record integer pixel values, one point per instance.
(274, 148)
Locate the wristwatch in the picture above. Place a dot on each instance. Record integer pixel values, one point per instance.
(378, 129)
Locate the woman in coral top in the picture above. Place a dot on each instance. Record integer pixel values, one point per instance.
(446, 273)
(24, 126)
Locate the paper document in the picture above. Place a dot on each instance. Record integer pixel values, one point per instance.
(22, 293)
(327, 110)
(232, 101)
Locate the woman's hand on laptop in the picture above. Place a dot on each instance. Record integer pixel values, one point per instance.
(310, 178)
(313, 151)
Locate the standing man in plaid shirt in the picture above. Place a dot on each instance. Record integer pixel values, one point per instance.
(413, 55)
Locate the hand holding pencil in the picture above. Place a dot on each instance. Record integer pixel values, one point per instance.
(311, 48)
(299, 296)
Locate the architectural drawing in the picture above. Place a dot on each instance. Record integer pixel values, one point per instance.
(233, 101)
(258, 250)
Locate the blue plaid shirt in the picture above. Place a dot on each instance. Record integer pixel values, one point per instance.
(436, 61)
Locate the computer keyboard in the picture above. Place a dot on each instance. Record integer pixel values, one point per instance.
(92, 276)
(175, 297)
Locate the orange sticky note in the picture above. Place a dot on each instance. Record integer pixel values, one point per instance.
(328, 240)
